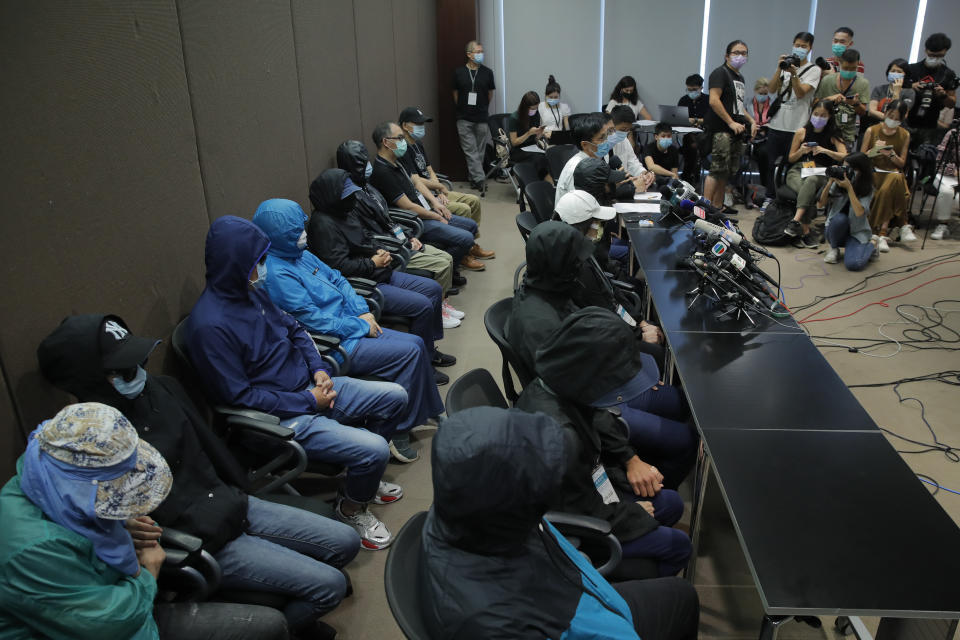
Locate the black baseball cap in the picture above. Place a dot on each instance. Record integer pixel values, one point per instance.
(120, 349)
(414, 115)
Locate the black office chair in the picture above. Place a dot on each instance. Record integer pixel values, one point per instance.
(557, 157)
(475, 388)
(518, 275)
(526, 221)
(403, 582)
(526, 173)
(541, 196)
(785, 194)
(495, 321)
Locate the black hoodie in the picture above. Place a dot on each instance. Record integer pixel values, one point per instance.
(205, 500)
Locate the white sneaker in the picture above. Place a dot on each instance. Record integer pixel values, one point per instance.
(456, 313)
(882, 245)
(387, 492)
(728, 199)
(940, 232)
(374, 535)
(832, 257)
(907, 234)
(449, 322)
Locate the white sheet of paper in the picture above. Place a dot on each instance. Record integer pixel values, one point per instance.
(806, 172)
(647, 196)
(645, 123)
(472, 98)
(532, 148)
(687, 130)
(636, 207)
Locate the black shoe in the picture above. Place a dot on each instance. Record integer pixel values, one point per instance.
(443, 359)
(730, 211)
(793, 229)
(440, 378)
(452, 291)
(459, 280)
(476, 186)
(808, 241)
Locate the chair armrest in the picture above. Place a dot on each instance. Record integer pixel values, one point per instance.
(578, 524)
(393, 242)
(364, 283)
(620, 284)
(248, 425)
(252, 414)
(325, 340)
(173, 539)
(403, 214)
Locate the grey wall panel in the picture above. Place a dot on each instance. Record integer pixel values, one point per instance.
(329, 87)
(488, 32)
(415, 48)
(242, 72)
(942, 16)
(879, 35)
(656, 43)
(561, 37)
(376, 64)
(736, 20)
(102, 200)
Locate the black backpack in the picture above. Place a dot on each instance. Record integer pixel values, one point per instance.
(768, 228)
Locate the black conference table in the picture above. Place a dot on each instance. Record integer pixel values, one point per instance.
(831, 520)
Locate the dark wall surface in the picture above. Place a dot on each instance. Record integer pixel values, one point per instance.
(129, 125)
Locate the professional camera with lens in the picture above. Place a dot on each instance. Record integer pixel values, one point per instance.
(790, 61)
(838, 172)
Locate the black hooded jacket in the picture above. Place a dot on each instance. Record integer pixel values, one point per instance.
(206, 499)
(591, 354)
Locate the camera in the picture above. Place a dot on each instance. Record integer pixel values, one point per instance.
(790, 61)
(839, 172)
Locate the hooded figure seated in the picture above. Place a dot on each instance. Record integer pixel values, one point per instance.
(591, 362)
(556, 253)
(492, 567)
(323, 301)
(68, 565)
(250, 353)
(260, 545)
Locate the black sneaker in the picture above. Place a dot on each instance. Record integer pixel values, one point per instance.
(459, 280)
(440, 378)
(730, 211)
(442, 359)
(808, 241)
(793, 229)
(452, 291)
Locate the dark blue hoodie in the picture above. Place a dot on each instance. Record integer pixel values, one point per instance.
(246, 350)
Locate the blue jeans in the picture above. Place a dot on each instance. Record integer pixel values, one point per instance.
(292, 552)
(420, 300)
(856, 254)
(402, 358)
(375, 409)
(670, 547)
(660, 433)
(456, 238)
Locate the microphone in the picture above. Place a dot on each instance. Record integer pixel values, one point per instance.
(701, 268)
(667, 194)
(732, 237)
(719, 270)
(685, 188)
(689, 205)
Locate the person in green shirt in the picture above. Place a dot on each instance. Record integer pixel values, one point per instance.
(850, 94)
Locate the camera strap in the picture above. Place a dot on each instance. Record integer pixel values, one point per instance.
(778, 102)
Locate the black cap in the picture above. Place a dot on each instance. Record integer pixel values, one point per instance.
(120, 349)
(414, 115)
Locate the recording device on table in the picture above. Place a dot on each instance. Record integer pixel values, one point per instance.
(680, 200)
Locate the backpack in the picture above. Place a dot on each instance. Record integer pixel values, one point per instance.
(768, 228)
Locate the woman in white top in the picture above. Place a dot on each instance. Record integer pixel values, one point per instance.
(626, 93)
(554, 115)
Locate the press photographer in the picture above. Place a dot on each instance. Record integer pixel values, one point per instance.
(935, 85)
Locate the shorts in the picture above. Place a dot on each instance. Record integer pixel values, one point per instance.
(725, 156)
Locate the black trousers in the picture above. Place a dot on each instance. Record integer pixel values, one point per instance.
(219, 621)
(663, 608)
(778, 144)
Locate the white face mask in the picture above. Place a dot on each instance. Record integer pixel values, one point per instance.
(261, 276)
(933, 61)
(302, 241)
(890, 123)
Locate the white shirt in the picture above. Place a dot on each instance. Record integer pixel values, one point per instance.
(631, 164)
(794, 113)
(565, 181)
(548, 115)
(636, 107)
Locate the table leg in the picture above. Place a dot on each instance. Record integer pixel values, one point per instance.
(915, 629)
(700, 476)
(770, 626)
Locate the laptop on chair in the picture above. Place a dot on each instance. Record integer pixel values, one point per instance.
(674, 116)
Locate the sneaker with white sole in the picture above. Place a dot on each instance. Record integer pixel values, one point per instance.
(401, 450)
(374, 535)
(449, 322)
(387, 492)
(456, 313)
(882, 244)
(907, 234)
(832, 257)
(940, 232)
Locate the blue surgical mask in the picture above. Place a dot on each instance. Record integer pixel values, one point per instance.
(762, 97)
(801, 52)
(261, 276)
(553, 101)
(604, 148)
(133, 388)
(664, 143)
(838, 49)
(401, 148)
(368, 170)
(693, 95)
(847, 75)
(478, 57)
(893, 76)
(617, 137)
(419, 131)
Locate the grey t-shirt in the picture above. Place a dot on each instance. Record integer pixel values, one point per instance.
(882, 92)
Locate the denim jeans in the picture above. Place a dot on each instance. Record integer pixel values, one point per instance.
(375, 410)
(660, 433)
(420, 300)
(219, 621)
(402, 358)
(456, 237)
(856, 254)
(292, 552)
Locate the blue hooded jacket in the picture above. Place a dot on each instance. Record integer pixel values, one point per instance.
(246, 350)
(301, 284)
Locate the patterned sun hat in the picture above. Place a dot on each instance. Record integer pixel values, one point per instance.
(132, 477)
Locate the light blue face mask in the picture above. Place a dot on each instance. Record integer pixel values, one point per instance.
(664, 143)
(302, 241)
(368, 170)
(838, 49)
(617, 137)
(604, 148)
(419, 131)
(553, 101)
(261, 276)
(401, 148)
(478, 57)
(133, 388)
(893, 76)
(693, 95)
(801, 52)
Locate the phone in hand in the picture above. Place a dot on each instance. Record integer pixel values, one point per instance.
(810, 144)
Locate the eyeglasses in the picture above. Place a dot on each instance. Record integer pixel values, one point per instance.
(738, 52)
(400, 137)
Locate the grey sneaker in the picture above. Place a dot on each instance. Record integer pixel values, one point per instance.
(374, 535)
(401, 450)
(387, 492)
(832, 257)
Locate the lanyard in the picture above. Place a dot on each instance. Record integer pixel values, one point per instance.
(473, 78)
(556, 115)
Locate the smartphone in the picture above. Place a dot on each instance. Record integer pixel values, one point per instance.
(810, 144)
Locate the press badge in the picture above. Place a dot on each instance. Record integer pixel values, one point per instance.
(844, 117)
(604, 486)
(398, 233)
(423, 201)
(626, 317)
(737, 261)
(472, 98)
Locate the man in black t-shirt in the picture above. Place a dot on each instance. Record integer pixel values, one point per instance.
(661, 156)
(935, 85)
(697, 104)
(473, 88)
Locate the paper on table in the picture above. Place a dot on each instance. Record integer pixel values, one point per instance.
(636, 207)
(649, 195)
(645, 123)
(532, 149)
(687, 130)
(806, 172)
